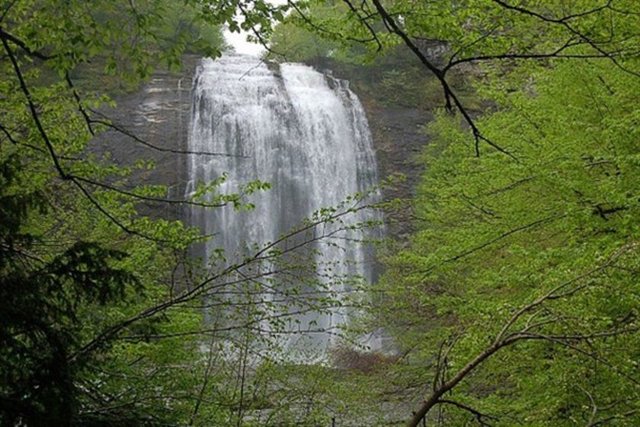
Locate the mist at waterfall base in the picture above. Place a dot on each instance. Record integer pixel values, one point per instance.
(306, 135)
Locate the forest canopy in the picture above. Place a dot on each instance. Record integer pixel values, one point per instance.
(514, 301)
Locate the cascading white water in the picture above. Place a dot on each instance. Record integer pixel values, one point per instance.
(306, 134)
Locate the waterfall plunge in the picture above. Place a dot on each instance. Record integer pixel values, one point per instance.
(306, 134)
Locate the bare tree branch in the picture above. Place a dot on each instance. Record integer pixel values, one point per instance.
(564, 22)
(120, 129)
(81, 108)
(22, 45)
(148, 198)
(496, 239)
(503, 339)
(480, 417)
(449, 94)
(32, 107)
(8, 135)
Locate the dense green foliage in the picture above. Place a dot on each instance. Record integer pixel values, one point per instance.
(519, 292)
(496, 234)
(77, 262)
(39, 300)
(516, 300)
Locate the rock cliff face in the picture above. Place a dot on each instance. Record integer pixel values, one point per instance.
(158, 115)
(398, 140)
(152, 125)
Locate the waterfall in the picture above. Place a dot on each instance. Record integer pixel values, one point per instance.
(306, 134)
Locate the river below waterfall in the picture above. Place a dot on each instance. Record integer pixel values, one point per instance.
(306, 134)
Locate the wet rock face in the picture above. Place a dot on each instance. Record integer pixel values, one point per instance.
(399, 141)
(153, 125)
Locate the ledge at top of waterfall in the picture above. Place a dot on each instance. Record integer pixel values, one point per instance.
(305, 134)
